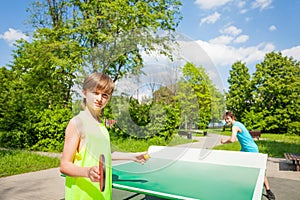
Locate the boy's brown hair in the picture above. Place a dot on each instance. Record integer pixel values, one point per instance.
(100, 82)
(230, 114)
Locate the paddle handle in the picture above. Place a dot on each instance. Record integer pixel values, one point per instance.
(102, 172)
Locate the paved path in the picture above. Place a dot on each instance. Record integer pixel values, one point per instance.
(49, 185)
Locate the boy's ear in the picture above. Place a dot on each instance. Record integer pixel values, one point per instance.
(84, 93)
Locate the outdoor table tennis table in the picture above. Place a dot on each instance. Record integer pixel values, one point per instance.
(190, 173)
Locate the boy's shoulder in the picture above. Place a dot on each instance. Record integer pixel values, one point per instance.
(77, 120)
(237, 123)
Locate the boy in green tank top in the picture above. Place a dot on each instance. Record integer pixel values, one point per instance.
(87, 141)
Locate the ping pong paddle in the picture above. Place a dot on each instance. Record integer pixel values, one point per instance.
(102, 172)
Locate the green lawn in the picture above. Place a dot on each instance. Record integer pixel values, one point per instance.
(275, 145)
(131, 145)
(20, 161)
(17, 162)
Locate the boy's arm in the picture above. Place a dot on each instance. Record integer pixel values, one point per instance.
(72, 140)
(136, 157)
(232, 138)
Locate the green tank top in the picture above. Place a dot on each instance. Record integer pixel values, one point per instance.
(96, 142)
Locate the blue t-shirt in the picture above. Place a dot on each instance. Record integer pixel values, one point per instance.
(245, 139)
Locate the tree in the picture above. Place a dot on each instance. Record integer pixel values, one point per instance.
(41, 81)
(114, 33)
(218, 104)
(48, 68)
(150, 120)
(276, 91)
(194, 96)
(238, 98)
(6, 114)
(72, 38)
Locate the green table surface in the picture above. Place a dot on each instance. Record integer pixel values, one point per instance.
(181, 180)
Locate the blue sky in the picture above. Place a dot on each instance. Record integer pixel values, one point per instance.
(227, 30)
(231, 30)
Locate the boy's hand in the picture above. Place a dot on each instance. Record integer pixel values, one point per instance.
(93, 174)
(223, 141)
(141, 158)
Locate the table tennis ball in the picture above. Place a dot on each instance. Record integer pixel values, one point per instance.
(146, 156)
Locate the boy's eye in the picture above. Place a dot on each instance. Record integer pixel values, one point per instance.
(105, 96)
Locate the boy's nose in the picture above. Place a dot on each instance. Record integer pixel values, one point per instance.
(99, 97)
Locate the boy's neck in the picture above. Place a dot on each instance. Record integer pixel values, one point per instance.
(95, 114)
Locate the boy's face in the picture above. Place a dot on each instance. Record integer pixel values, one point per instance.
(228, 120)
(96, 99)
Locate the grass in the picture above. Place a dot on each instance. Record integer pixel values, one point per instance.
(131, 145)
(275, 145)
(15, 162)
(18, 161)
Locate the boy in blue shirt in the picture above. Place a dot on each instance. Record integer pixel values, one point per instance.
(240, 132)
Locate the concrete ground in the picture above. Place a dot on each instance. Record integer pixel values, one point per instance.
(49, 185)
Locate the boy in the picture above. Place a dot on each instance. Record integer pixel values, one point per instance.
(86, 140)
(240, 132)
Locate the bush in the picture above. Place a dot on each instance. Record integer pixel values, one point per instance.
(48, 144)
(145, 120)
(50, 130)
(253, 120)
(294, 128)
(13, 139)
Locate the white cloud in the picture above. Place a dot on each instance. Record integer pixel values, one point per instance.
(211, 19)
(262, 4)
(272, 28)
(223, 39)
(12, 35)
(209, 4)
(217, 57)
(231, 30)
(224, 55)
(213, 57)
(293, 52)
(241, 39)
(243, 11)
(241, 4)
(247, 19)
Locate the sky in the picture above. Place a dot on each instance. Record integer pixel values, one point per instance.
(222, 31)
